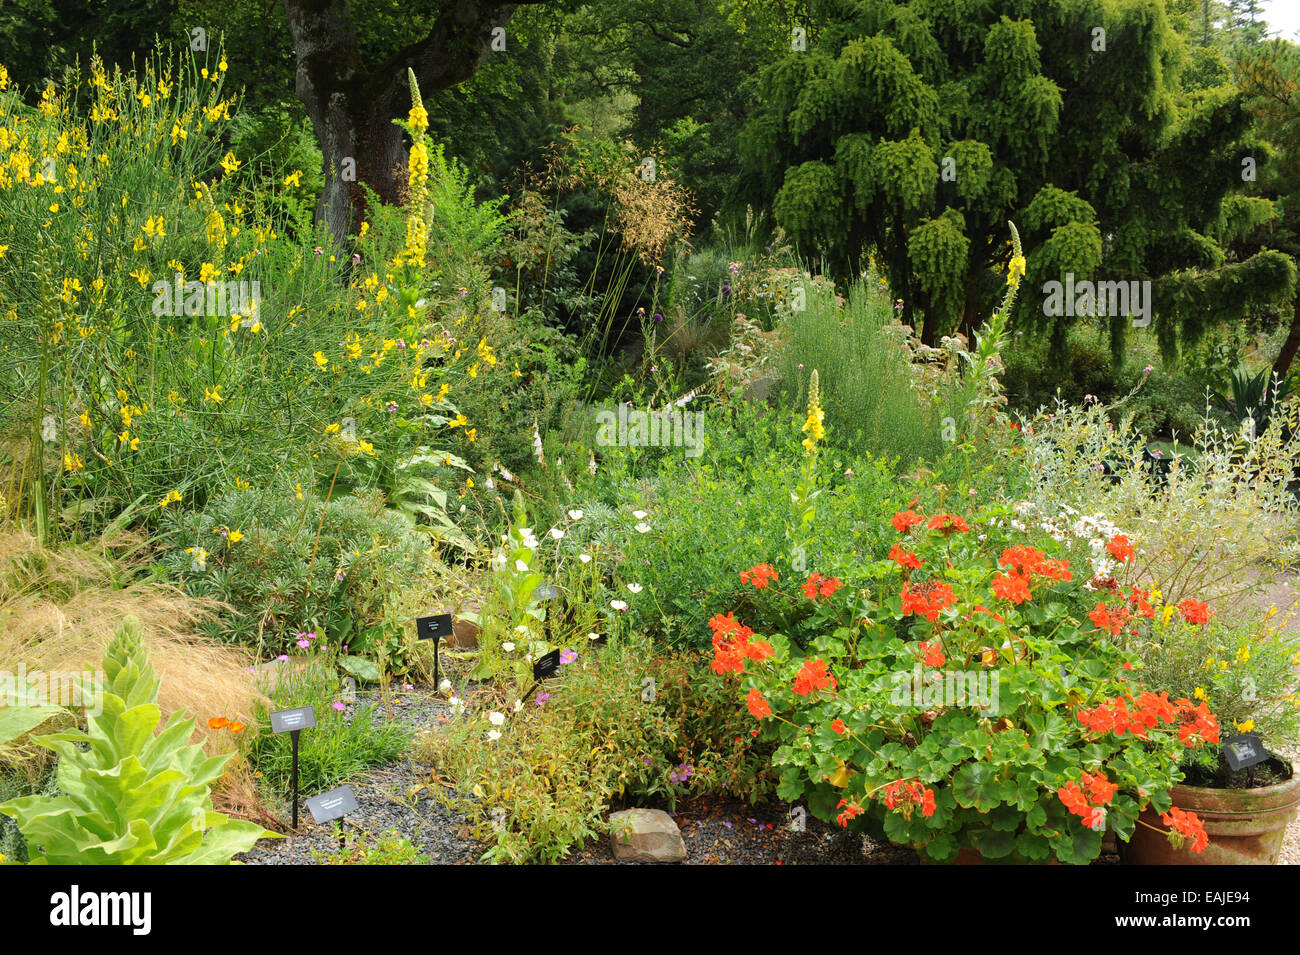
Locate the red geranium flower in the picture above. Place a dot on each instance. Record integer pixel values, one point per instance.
(1195, 611)
(904, 520)
(949, 524)
(758, 706)
(812, 676)
(839, 727)
(932, 654)
(905, 558)
(1183, 826)
(761, 575)
(927, 598)
(819, 586)
(1120, 548)
(1011, 587)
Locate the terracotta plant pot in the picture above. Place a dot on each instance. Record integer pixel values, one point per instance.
(1245, 826)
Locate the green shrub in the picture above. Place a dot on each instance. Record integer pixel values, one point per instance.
(866, 374)
(299, 565)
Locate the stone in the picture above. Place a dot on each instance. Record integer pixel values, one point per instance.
(464, 634)
(646, 835)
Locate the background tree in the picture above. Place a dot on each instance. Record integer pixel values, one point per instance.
(1270, 78)
(916, 131)
(352, 99)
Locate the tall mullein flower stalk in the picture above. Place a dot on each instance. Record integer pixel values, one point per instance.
(981, 391)
(417, 219)
(803, 497)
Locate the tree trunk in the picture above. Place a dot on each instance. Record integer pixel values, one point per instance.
(1291, 345)
(352, 108)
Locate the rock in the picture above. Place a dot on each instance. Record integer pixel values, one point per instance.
(464, 634)
(646, 835)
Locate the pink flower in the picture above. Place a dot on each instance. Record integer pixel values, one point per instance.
(283, 658)
(339, 706)
(568, 656)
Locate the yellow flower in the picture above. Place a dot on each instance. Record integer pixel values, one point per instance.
(85, 418)
(294, 178)
(331, 429)
(297, 492)
(1015, 270)
(321, 360)
(234, 538)
(229, 163)
(457, 421)
(1243, 655)
(72, 462)
(1198, 693)
(153, 227)
(1245, 726)
(212, 394)
(141, 275)
(171, 497)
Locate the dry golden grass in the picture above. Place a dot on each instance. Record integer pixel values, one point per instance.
(58, 610)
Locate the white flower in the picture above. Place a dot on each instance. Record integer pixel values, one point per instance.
(575, 515)
(444, 686)
(495, 718)
(525, 532)
(530, 542)
(522, 628)
(585, 558)
(639, 515)
(635, 588)
(508, 647)
(618, 604)
(493, 735)
(643, 528)
(457, 705)
(520, 566)
(518, 705)
(556, 533)
(593, 636)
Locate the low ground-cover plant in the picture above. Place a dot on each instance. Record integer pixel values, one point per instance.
(130, 792)
(621, 724)
(349, 737)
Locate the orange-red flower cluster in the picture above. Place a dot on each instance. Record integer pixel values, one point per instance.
(1030, 561)
(905, 520)
(1140, 600)
(931, 653)
(758, 707)
(812, 676)
(1087, 806)
(1120, 548)
(221, 723)
(1011, 587)
(905, 559)
(839, 727)
(732, 645)
(1123, 715)
(760, 575)
(1195, 611)
(1183, 826)
(850, 809)
(927, 599)
(948, 524)
(1110, 618)
(819, 586)
(907, 796)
